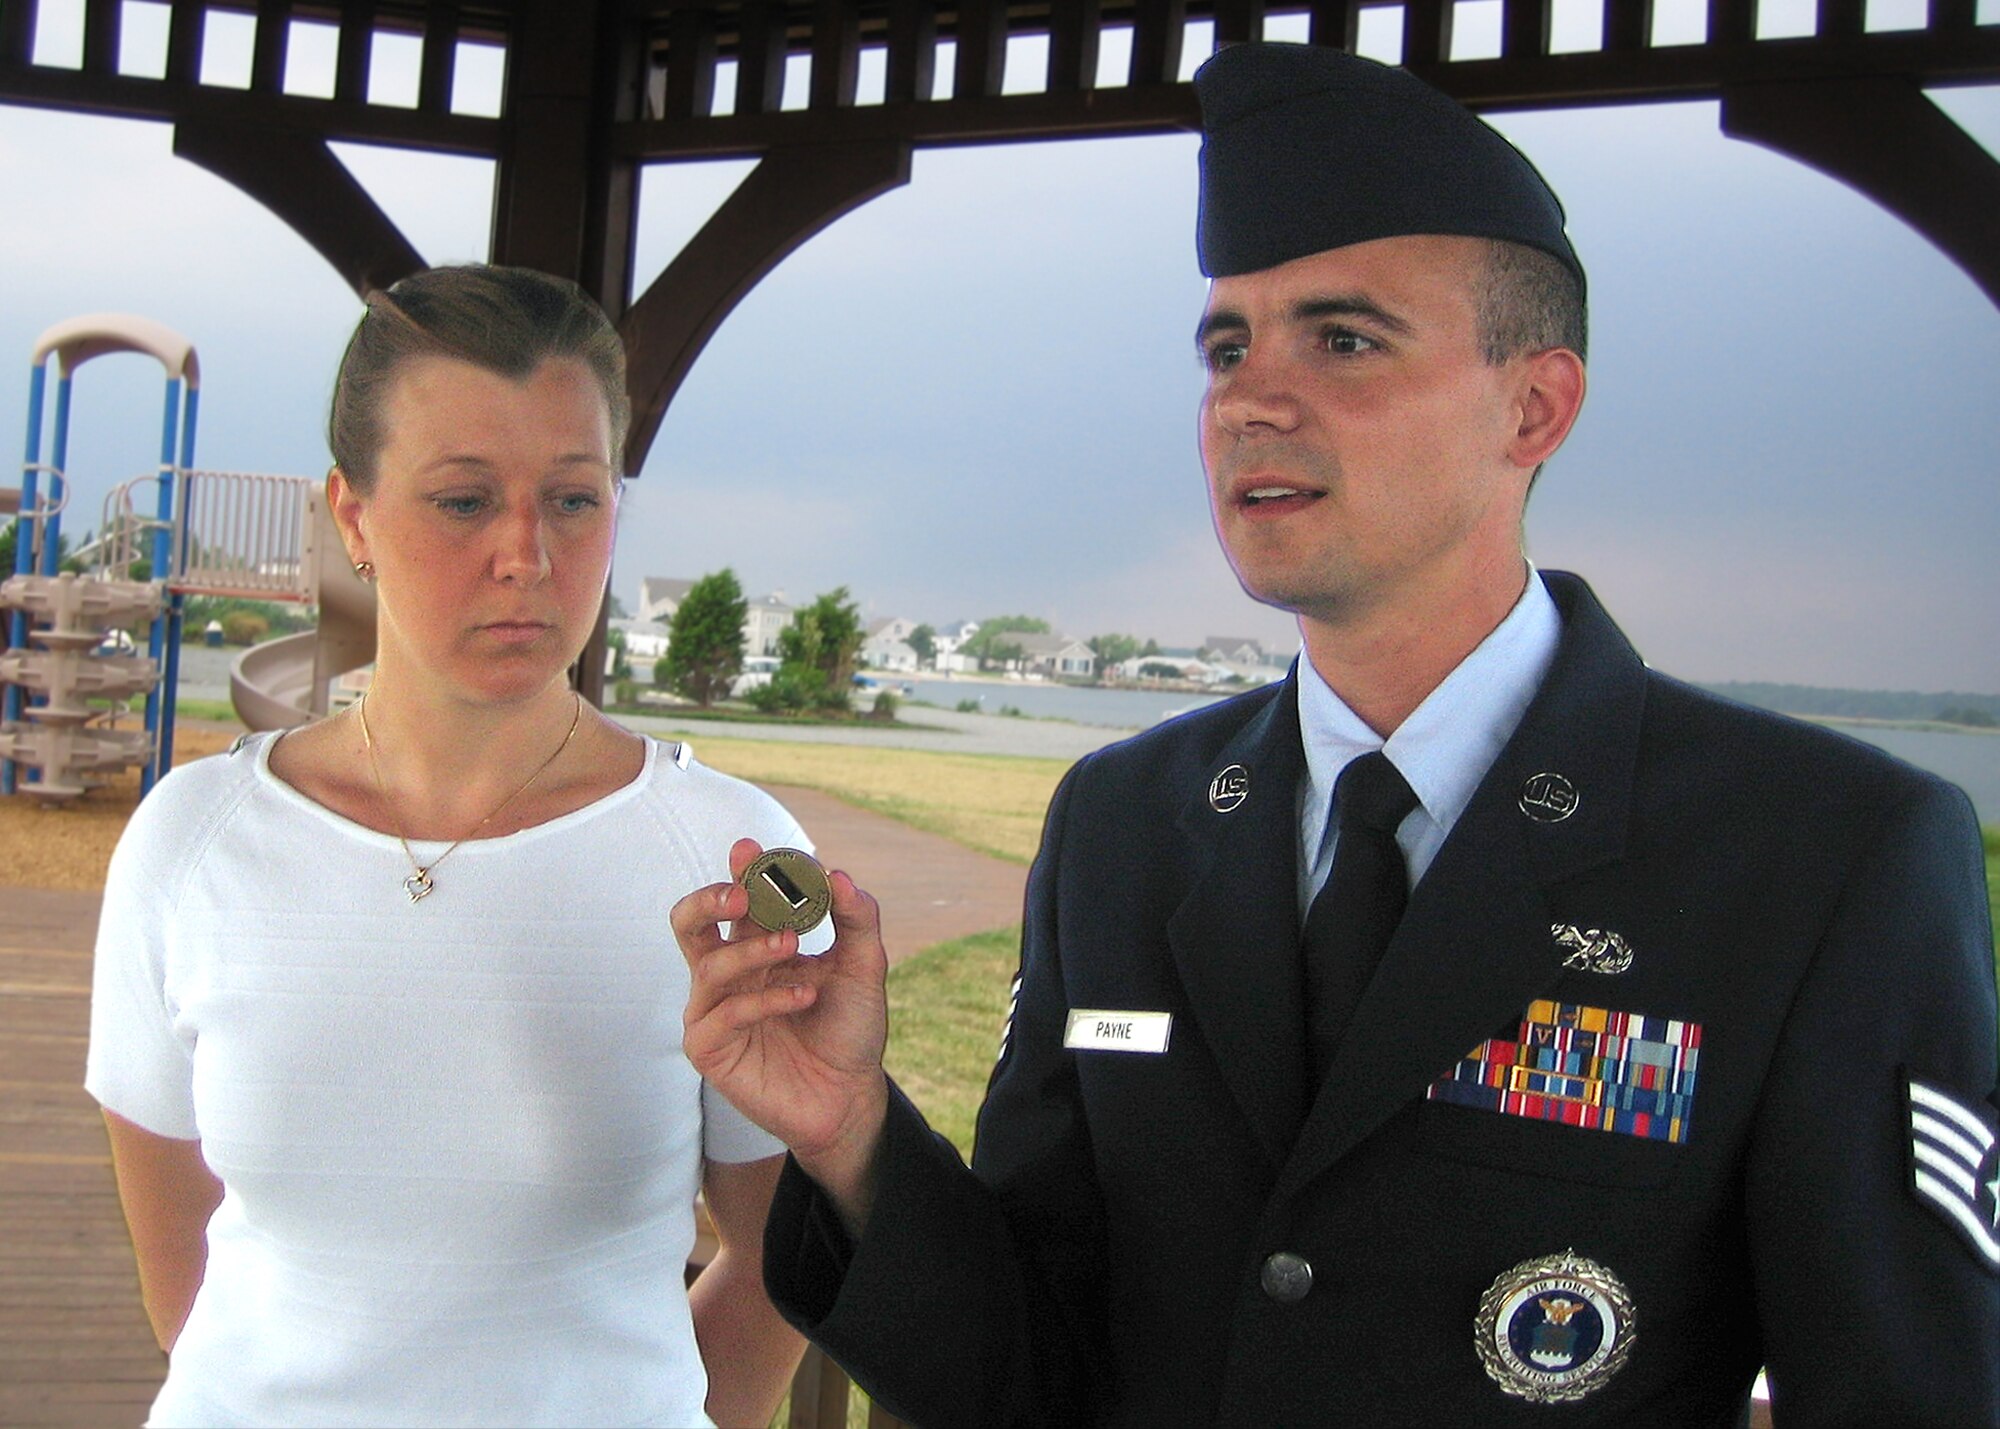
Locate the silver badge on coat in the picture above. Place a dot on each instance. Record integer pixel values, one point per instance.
(1554, 1329)
(1229, 789)
(1549, 798)
(1592, 950)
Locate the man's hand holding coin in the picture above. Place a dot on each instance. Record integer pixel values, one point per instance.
(794, 1042)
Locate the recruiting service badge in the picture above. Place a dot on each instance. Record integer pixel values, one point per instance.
(1555, 1328)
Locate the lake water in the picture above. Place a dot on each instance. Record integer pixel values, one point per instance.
(1118, 709)
(1971, 761)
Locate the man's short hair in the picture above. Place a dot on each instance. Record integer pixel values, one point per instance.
(1528, 302)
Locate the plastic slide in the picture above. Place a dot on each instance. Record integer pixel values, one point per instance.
(283, 683)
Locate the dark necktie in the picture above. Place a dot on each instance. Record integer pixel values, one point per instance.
(1352, 919)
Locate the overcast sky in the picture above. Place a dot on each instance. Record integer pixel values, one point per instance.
(977, 394)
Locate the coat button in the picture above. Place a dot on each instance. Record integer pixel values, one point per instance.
(1286, 1277)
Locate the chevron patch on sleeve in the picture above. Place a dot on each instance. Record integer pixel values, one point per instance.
(1007, 1028)
(1955, 1165)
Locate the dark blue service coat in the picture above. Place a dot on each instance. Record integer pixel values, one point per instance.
(1805, 915)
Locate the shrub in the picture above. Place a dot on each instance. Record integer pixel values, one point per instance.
(792, 689)
(244, 627)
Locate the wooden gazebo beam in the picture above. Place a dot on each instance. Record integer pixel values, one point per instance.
(1885, 138)
(295, 175)
(793, 193)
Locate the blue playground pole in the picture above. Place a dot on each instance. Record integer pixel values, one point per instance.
(170, 677)
(161, 642)
(17, 622)
(58, 487)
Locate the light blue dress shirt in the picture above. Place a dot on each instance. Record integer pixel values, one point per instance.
(1443, 749)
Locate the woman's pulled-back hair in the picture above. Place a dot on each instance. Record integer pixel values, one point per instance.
(508, 321)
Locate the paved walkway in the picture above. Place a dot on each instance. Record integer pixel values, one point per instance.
(941, 731)
(930, 888)
(75, 1349)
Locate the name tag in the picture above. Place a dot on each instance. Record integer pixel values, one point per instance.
(1092, 1030)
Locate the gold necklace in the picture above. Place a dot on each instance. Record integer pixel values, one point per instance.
(418, 885)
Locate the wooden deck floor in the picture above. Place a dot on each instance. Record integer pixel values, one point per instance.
(75, 1349)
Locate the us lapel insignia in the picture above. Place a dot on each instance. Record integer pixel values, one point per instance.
(1549, 798)
(1554, 1329)
(1229, 789)
(1955, 1165)
(1592, 950)
(1587, 1067)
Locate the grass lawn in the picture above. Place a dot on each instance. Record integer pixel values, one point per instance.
(946, 1008)
(990, 802)
(214, 711)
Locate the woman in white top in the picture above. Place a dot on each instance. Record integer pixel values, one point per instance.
(387, 1016)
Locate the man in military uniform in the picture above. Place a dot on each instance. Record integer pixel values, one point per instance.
(1477, 1028)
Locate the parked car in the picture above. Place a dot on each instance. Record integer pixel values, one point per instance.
(757, 671)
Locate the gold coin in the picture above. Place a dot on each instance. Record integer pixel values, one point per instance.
(788, 889)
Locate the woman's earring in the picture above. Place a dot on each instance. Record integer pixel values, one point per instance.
(365, 569)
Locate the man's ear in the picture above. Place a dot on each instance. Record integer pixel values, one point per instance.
(344, 501)
(1547, 401)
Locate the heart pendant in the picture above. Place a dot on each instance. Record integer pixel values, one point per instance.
(418, 885)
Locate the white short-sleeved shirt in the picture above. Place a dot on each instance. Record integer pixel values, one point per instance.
(459, 1141)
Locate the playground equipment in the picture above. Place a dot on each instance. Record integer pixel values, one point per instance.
(287, 682)
(52, 739)
(208, 533)
(56, 739)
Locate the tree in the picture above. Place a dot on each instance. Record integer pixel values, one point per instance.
(1159, 670)
(923, 640)
(705, 641)
(8, 539)
(1113, 649)
(991, 646)
(816, 654)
